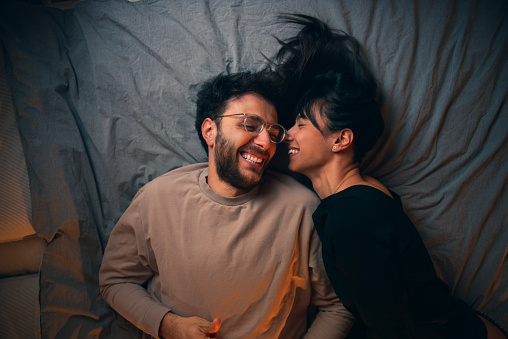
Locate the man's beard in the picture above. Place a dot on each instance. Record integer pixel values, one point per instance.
(226, 163)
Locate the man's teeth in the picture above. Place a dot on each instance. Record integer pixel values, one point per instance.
(252, 159)
(292, 151)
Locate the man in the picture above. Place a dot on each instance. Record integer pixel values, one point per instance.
(224, 244)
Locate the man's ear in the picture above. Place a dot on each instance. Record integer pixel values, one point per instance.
(209, 131)
(342, 139)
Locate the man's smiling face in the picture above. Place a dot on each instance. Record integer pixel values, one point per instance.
(241, 157)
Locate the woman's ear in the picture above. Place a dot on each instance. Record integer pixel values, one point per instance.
(342, 140)
(209, 131)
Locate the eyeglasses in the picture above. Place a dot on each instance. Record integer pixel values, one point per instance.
(255, 125)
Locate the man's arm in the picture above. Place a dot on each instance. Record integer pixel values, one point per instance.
(153, 318)
(125, 269)
(135, 304)
(333, 320)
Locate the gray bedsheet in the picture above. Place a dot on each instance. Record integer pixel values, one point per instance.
(104, 98)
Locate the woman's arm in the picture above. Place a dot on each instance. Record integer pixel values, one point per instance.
(363, 246)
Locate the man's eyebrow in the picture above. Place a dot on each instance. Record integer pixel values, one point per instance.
(252, 114)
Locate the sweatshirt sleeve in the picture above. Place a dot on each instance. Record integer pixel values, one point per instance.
(333, 320)
(124, 271)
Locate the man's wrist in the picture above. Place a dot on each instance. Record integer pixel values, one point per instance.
(166, 327)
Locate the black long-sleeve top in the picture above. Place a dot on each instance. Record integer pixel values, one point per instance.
(381, 270)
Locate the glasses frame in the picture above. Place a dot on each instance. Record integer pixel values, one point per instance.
(263, 125)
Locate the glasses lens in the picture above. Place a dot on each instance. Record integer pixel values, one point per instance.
(253, 124)
(276, 133)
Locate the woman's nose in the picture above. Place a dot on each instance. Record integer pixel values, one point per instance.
(289, 134)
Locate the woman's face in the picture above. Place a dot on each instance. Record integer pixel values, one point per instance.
(309, 149)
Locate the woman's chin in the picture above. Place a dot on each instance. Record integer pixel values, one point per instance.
(293, 167)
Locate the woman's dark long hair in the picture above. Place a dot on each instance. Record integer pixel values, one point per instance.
(325, 74)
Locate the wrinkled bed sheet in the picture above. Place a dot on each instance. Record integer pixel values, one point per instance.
(104, 98)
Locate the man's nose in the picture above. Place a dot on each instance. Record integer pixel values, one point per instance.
(263, 139)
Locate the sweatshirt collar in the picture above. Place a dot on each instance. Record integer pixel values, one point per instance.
(220, 199)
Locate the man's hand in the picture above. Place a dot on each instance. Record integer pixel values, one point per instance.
(176, 327)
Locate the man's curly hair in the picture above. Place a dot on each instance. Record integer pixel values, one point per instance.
(214, 95)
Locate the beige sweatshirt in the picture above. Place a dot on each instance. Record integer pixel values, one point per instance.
(254, 261)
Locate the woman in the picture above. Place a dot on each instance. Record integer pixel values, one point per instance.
(374, 257)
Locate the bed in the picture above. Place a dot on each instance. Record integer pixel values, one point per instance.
(98, 97)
